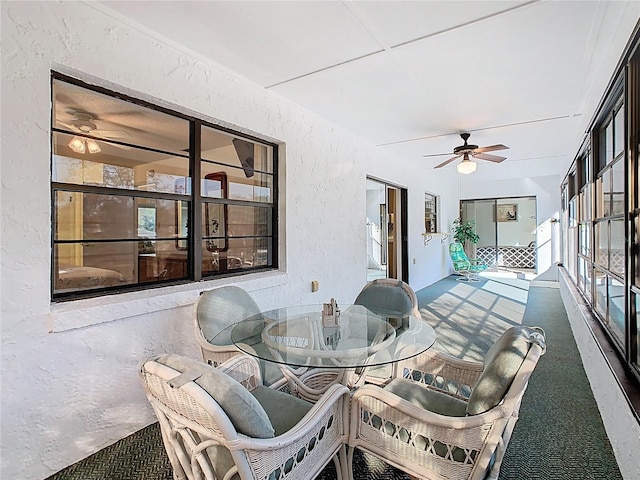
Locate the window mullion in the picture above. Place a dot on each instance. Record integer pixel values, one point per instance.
(195, 232)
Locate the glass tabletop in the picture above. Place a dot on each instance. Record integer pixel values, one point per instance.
(297, 336)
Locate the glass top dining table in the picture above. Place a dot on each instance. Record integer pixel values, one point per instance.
(297, 337)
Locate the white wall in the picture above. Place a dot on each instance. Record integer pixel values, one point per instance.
(69, 384)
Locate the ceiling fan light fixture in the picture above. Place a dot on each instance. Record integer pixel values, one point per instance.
(77, 145)
(93, 146)
(466, 166)
(81, 145)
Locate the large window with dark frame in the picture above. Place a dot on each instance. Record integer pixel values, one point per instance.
(126, 211)
(601, 195)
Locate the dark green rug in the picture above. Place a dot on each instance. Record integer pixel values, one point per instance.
(559, 435)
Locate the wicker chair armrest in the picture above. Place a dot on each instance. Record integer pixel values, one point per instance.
(441, 372)
(244, 369)
(476, 261)
(406, 435)
(312, 384)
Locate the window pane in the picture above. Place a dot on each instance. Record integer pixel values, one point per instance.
(608, 145)
(79, 110)
(165, 263)
(83, 266)
(617, 308)
(588, 280)
(133, 169)
(219, 181)
(227, 149)
(617, 174)
(600, 284)
(430, 221)
(224, 221)
(616, 252)
(241, 253)
(606, 193)
(585, 239)
(90, 216)
(602, 243)
(618, 147)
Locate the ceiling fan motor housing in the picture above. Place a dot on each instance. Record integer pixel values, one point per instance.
(466, 147)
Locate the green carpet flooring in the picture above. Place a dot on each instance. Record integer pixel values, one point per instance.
(559, 434)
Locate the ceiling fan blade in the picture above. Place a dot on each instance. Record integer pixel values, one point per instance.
(71, 127)
(437, 154)
(114, 144)
(490, 148)
(111, 133)
(448, 161)
(486, 156)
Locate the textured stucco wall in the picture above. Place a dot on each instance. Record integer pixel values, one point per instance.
(69, 384)
(68, 371)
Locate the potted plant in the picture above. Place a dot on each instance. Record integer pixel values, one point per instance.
(465, 231)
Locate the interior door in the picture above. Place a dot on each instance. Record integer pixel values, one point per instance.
(386, 231)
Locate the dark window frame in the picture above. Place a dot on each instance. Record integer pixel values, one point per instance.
(195, 200)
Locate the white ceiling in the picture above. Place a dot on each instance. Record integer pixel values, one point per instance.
(409, 76)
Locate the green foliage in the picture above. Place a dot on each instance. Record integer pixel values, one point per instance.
(463, 231)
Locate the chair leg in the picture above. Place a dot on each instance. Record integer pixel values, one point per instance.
(349, 469)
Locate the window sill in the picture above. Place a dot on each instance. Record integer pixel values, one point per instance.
(98, 310)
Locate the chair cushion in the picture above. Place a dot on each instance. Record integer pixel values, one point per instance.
(501, 364)
(242, 408)
(384, 298)
(436, 402)
(222, 307)
(284, 410)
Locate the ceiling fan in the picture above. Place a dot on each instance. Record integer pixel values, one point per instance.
(466, 150)
(84, 123)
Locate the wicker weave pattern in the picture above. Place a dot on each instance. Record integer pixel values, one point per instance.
(433, 446)
(441, 372)
(292, 460)
(440, 449)
(192, 422)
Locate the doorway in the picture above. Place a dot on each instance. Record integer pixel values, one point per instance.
(386, 222)
(507, 230)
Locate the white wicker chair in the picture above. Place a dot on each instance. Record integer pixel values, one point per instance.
(200, 421)
(220, 308)
(468, 436)
(380, 296)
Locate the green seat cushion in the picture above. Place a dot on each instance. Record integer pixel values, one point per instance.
(284, 410)
(242, 408)
(501, 364)
(427, 399)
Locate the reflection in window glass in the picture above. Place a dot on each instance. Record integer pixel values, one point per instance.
(588, 280)
(226, 149)
(618, 144)
(602, 243)
(430, 216)
(617, 308)
(616, 249)
(617, 176)
(606, 193)
(585, 239)
(600, 287)
(127, 219)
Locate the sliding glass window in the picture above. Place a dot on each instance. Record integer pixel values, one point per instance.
(126, 212)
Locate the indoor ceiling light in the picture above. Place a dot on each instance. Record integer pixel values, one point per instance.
(466, 166)
(81, 145)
